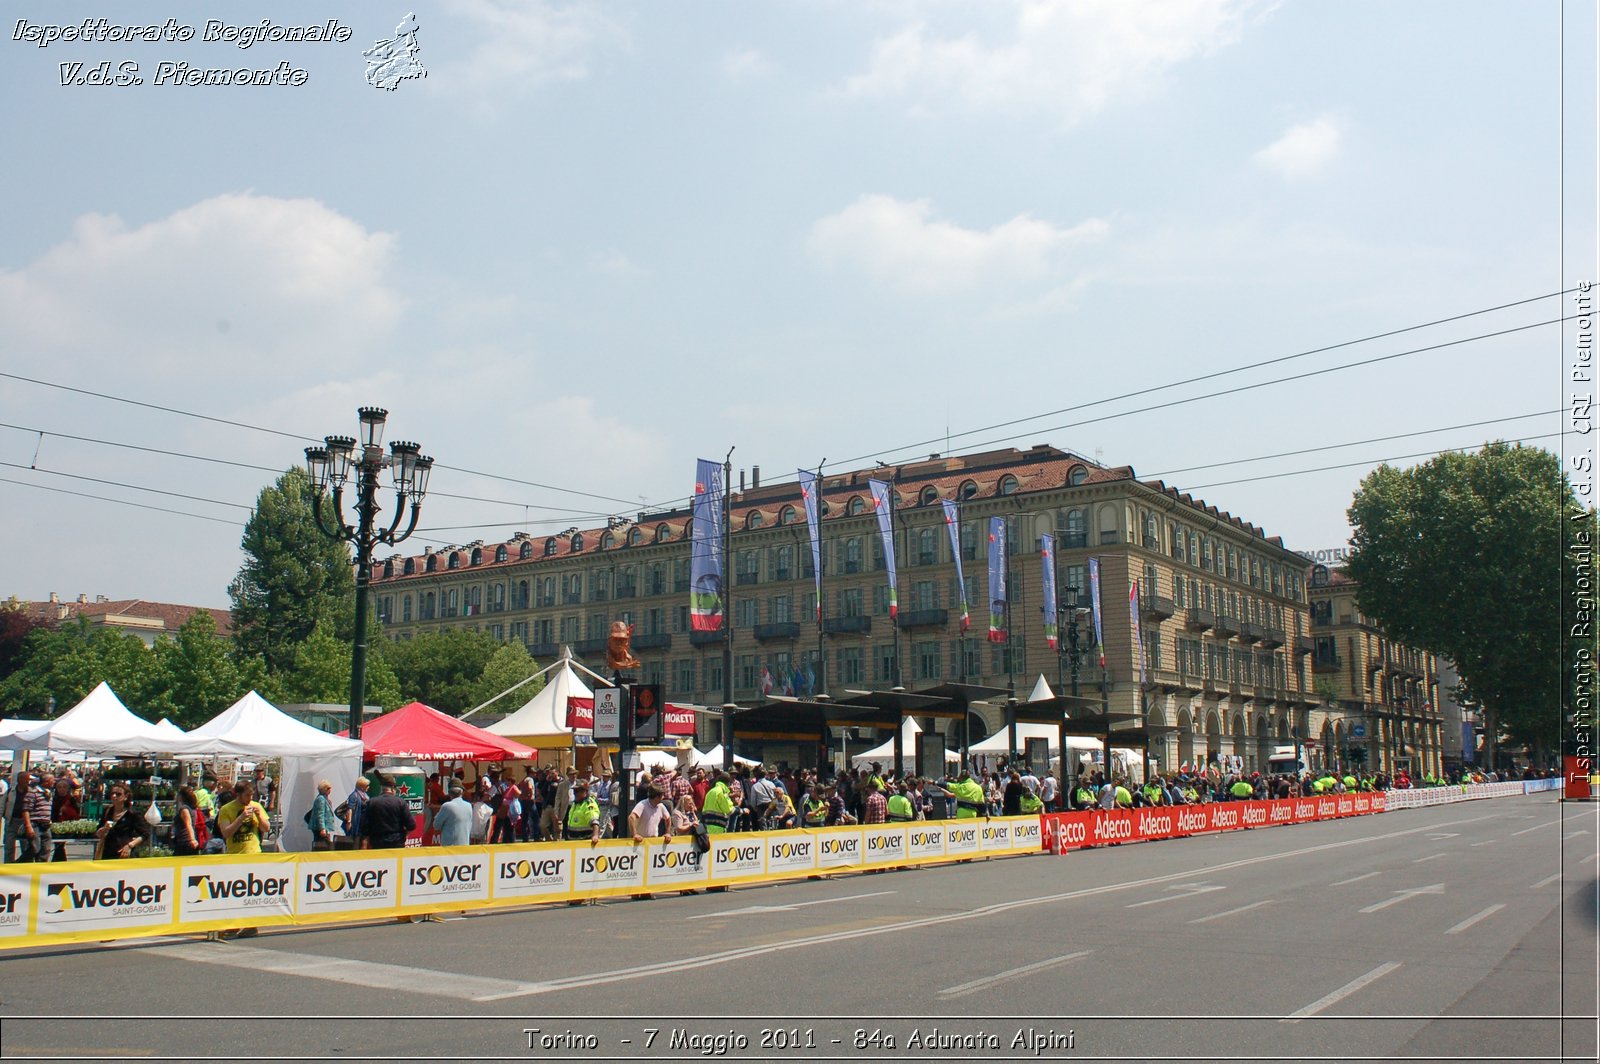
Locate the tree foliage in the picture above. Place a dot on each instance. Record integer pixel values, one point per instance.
(321, 672)
(444, 669)
(293, 575)
(1465, 556)
(508, 666)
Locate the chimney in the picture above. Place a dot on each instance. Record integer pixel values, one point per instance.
(55, 599)
(755, 477)
(741, 482)
(83, 599)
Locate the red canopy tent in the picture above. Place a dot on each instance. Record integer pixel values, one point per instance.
(422, 732)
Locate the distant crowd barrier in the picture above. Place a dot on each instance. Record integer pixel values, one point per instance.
(94, 901)
(1420, 796)
(1062, 832)
(1535, 786)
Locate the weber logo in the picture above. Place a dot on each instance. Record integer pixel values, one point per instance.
(123, 898)
(9, 903)
(217, 888)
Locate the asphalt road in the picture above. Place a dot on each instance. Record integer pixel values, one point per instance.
(1463, 932)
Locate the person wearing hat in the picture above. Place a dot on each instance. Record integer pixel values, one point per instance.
(453, 821)
(583, 820)
(900, 809)
(716, 813)
(970, 802)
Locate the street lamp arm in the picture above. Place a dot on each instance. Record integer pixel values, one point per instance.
(411, 525)
(386, 535)
(339, 531)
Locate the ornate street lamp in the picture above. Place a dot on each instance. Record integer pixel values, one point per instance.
(341, 461)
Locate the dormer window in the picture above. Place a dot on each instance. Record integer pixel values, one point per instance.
(755, 520)
(550, 547)
(635, 537)
(930, 495)
(454, 561)
(786, 516)
(968, 489)
(526, 550)
(607, 541)
(501, 554)
(477, 555)
(663, 533)
(1008, 485)
(411, 566)
(1077, 475)
(432, 563)
(855, 506)
(577, 543)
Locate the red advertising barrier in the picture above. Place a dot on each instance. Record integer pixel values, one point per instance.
(1577, 772)
(1096, 827)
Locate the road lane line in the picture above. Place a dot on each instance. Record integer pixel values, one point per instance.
(787, 908)
(1198, 889)
(1486, 842)
(337, 970)
(1340, 994)
(1546, 881)
(1589, 858)
(1536, 827)
(1469, 921)
(1430, 857)
(1233, 912)
(1027, 969)
(1573, 835)
(1357, 879)
(1403, 895)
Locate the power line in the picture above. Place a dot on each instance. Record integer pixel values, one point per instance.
(130, 487)
(120, 502)
(139, 447)
(1369, 461)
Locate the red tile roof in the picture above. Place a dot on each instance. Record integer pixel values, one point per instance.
(171, 615)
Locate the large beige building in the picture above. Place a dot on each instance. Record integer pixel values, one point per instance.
(1381, 696)
(1224, 618)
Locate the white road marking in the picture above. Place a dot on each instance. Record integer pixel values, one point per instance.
(1193, 890)
(1536, 827)
(1357, 879)
(357, 973)
(1027, 969)
(1430, 857)
(1402, 895)
(1232, 912)
(1340, 994)
(787, 908)
(1486, 842)
(1589, 858)
(1443, 834)
(691, 963)
(1574, 835)
(1546, 881)
(1469, 921)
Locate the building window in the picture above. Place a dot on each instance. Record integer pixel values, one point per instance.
(405, 609)
(477, 555)
(501, 554)
(452, 603)
(926, 655)
(526, 550)
(783, 563)
(969, 543)
(747, 672)
(746, 567)
(851, 666)
(852, 554)
(878, 563)
(497, 598)
(746, 613)
(683, 676)
(1077, 475)
(927, 546)
(778, 610)
(497, 632)
(627, 582)
(680, 618)
(925, 595)
(655, 621)
(1077, 530)
(968, 489)
(454, 561)
(635, 536)
(855, 506)
(1008, 485)
(577, 543)
(930, 495)
(850, 602)
(600, 585)
(655, 579)
(607, 540)
(549, 547)
(881, 599)
(786, 516)
(883, 664)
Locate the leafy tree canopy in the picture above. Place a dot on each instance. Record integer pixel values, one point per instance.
(321, 672)
(445, 669)
(509, 666)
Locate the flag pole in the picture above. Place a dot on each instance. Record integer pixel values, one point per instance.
(727, 613)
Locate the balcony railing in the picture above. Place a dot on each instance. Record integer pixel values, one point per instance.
(1304, 644)
(543, 650)
(1226, 626)
(1159, 607)
(585, 647)
(708, 639)
(1274, 637)
(778, 630)
(1072, 540)
(1251, 633)
(841, 625)
(923, 618)
(1326, 663)
(1199, 620)
(658, 641)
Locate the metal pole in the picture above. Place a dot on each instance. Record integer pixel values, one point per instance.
(727, 613)
(365, 506)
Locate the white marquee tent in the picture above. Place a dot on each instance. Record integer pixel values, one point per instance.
(542, 720)
(98, 726)
(884, 754)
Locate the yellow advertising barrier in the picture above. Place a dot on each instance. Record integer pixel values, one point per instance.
(97, 901)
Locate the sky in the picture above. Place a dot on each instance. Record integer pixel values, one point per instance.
(599, 240)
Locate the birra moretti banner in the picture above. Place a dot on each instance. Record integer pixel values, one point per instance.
(705, 556)
(997, 580)
(883, 503)
(808, 495)
(1047, 558)
(952, 522)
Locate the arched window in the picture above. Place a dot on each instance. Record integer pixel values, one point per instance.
(663, 533)
(428, 606)
(519, 595)
(1077, 528)
(607, 540)
(1077, 475)
(1152, 530)
(405, 609)
(388, 567)
(477, 555)
(852, 554)
(432, 563)
(526, 550)
(635, 536)
(927, 545)
(1008, 485)
(787, 516)
(411, 566)
(930, 495)
(855, 506)
(497, 597)
(577, 542)
(550, 546)
(688, 528)
(501, 554)
(454, 561)
(755, 520)
(968, 489)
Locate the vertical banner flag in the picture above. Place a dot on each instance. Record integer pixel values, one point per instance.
(1094, 603)
(952, 521)
(1047, 557)
(809, 490)
(705, 557)
(883, 503)
(1138, 637)
(997, 580)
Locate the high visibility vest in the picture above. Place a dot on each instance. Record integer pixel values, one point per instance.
(900, 808)
(1124, 799)
(1242, 790)
(1084, 797)
(816, 813)
(969, 800)
(1031, 803)
(717, 809)
(580, 819)
(1350, 782)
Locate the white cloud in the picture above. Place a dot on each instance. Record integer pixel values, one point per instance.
(1070, 57)
(746, 63)
(1303, 150)
(901, 245)
(613, 263)
(528, 42)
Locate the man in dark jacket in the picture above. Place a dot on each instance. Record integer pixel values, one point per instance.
(388, 820)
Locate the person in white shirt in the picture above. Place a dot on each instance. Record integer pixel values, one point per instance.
(652, 817)
(1047, 791)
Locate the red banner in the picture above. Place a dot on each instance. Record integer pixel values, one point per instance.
(1577, 771)
(1097, 827)
(677, 720)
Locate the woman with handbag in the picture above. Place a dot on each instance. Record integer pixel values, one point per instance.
(120, 827)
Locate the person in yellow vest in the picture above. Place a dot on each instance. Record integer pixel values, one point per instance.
(970, 803)
(583, 815)
(1031, 803)
(1083, 796)
(1124, 797)
(1349, 783)
(815, 813)
(717, 810)
(900, 808)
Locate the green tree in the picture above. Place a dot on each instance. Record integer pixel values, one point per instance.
(197, 675)
(1465, 556)
(293, 576)
(443, 669)
(16, 625)
(61, 666)
(321, 672)
(508, 666)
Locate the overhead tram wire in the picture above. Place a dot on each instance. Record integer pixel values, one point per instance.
(121, 502)
(1205, 377)
(130, 487)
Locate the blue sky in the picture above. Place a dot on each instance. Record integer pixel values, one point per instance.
(600, 240)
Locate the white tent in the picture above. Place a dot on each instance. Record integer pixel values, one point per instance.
(998, 743)
(99, 726)
(254, 727)
(545, 714)
(909, 729)
(712, 758)
(169, 729)
(1041, 691)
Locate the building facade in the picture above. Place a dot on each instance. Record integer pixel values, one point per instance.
(1382, 697)
(1222, 608)
(147, 620)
